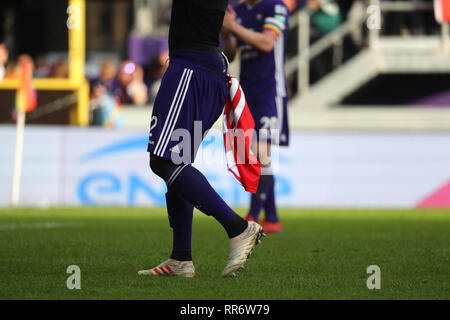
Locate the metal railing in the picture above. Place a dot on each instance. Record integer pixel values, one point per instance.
(335, 38)
(307, 51)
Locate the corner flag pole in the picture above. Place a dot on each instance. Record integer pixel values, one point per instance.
(20, 128)
(26, 100)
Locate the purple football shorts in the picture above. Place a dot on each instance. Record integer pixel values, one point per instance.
(190, 99)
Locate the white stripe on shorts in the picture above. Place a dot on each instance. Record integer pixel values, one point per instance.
(177, 102)
(177, 109)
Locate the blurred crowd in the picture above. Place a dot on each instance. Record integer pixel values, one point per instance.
(10, 68)
(126, 84)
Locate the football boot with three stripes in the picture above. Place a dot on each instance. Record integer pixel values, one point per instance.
(171, 267)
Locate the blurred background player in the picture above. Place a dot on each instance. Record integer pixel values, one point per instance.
(261, 30)
(194, 88)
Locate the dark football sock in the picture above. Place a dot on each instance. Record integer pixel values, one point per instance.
(180, 214)
(258, 199)
(193, 186)
(269, 205)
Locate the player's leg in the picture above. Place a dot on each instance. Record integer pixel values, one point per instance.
(265, 195)
(172, 93)
(272, 223)
(180, 214)
(188, 182)
(208, 93)
(197, 98)
(180, 263)
(264, 111)
(269, 205)
(187, 187)
(258, 199)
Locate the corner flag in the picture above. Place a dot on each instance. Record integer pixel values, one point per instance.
(25, 101)
(26, 95)
(442, 10)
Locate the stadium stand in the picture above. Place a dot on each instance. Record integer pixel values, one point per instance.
(389, 76)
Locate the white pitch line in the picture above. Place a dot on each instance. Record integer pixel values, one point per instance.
(43, 225)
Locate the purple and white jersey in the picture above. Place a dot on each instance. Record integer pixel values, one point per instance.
(261, 72)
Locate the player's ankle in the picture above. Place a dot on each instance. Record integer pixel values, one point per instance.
(181, 256)
(240, 236)
(237, 227)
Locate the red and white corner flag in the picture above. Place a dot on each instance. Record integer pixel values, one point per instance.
(238, 128)
(442, 10)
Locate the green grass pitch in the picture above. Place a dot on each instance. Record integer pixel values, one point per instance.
(322, 254)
